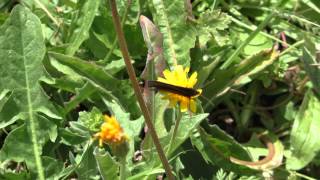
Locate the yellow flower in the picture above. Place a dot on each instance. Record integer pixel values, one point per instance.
(179, 77)
(110, 132)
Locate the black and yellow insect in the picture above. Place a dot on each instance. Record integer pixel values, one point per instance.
(183, 91)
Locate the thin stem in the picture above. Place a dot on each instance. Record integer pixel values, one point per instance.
(135, 84)
(123, 168)
(47, 12)
(247, 41)
(303, 176)
(175, 130)
(293, 46)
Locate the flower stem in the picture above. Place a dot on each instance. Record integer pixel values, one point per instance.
(123, 168)
(175, 130)
(135, 84)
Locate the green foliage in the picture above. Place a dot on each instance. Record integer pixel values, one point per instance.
(91, 120)
(305, 129)
(61, 71)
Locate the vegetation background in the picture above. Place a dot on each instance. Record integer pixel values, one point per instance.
(61, 68)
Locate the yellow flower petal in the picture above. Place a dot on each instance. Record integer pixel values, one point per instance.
(179, 77)
(192, 80)
(110, 131)
(193, 106)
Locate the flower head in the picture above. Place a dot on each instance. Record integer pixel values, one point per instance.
(110, 132)
(179, 77)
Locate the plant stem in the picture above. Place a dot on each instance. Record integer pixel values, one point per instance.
(123, 168)
(247, 41)
(175, 130)
(47, 12)
(135, 84)
(304, 176)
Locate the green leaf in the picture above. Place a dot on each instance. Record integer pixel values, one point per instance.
(131, 127)
(22, 46)
(86, 167)
(304, 139)
(15, 176)
(53, 167)
(178, 34)
(311, 64)
(91, 120)
(81, 24)
(118, 90)
(238, 75)
(107, 166)
(81, 94)
(187, 125)
(218, 147)
(132, 12)
(211, 24)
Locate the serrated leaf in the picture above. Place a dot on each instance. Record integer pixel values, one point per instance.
(91, 120)
(178, 35)
(119, 90)
(304, 138)
(211, 23)
(81, 25)
(107, 165)
(22, 45)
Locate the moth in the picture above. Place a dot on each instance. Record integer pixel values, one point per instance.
(183, 91)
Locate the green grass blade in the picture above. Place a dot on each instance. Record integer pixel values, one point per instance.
(81, 25)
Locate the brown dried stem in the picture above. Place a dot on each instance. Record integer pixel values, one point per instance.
(135, 84)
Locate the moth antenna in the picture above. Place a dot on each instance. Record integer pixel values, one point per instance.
(238, 91)
(207, 99)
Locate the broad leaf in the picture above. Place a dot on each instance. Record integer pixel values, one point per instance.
(79, 30)
(304, 139)
(311, 64)
(118, 90)
(107, 166)
(23, 48)
(178, 34)
(218, 147)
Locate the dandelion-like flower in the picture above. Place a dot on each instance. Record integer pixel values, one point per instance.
(111, 132)
(179, 78)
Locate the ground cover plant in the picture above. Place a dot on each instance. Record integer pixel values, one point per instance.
(159, 89)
